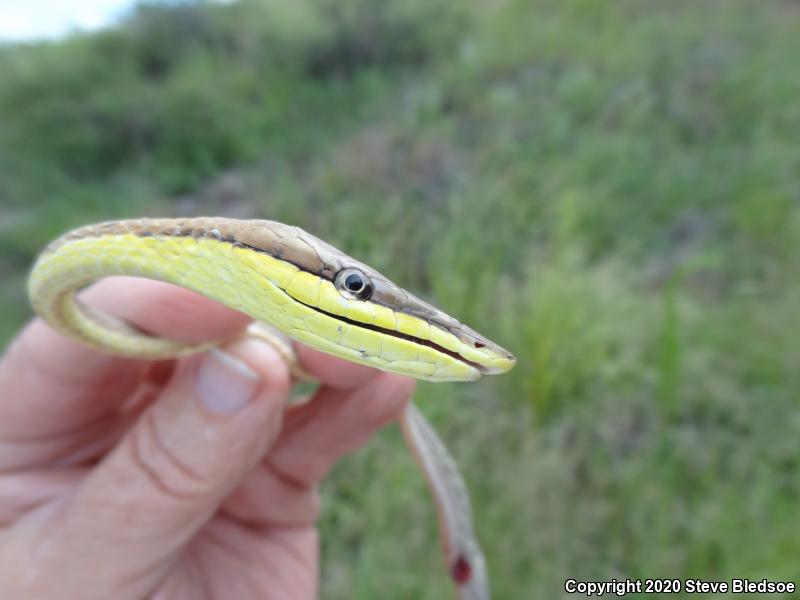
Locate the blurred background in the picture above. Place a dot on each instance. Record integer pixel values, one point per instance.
(610, 189)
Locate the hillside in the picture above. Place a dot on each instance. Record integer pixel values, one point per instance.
(609, 189)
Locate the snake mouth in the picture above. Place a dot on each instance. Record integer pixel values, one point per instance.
(483, 370)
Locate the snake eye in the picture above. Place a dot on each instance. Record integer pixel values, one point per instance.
(353, 284)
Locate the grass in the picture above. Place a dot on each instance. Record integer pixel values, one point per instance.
(609, 189)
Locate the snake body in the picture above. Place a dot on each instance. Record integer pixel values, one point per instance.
(305, 288)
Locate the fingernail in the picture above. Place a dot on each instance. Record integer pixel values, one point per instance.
(225, 383)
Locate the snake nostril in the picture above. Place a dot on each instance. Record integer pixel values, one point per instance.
(480, 345)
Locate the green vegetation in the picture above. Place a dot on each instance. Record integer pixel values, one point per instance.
(609, 189)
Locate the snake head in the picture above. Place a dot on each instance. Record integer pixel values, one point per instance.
(351, 310)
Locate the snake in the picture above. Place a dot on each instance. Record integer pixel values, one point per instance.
(293, 284)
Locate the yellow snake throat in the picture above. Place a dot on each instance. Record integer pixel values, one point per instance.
(276, 274)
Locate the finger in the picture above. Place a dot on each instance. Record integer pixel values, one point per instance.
(86, 443)
(21, 493)
(335, 423)
(215, 420)
(314, 437)
(265, 498)
(49, 383)
(67, 447)
(166, 310)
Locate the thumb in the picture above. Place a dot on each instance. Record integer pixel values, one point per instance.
(212, 424)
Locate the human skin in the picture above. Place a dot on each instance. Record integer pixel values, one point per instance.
(179, 479)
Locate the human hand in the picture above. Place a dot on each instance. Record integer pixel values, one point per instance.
(179, 479)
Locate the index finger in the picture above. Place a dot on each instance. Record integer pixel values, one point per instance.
(50, 384)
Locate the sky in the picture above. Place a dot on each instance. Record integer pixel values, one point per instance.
(38, 19)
